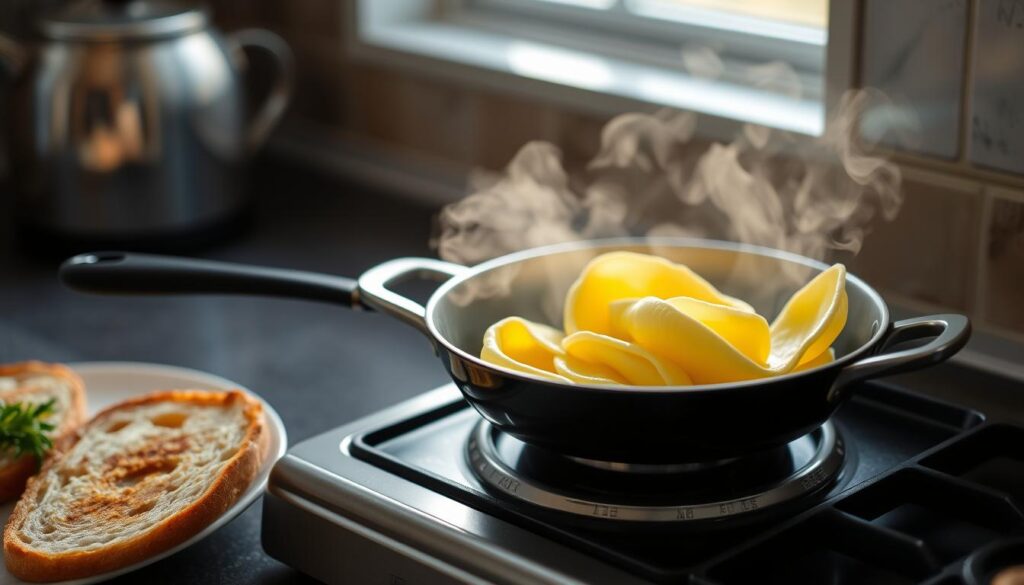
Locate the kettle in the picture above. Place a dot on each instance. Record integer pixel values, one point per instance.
(128, 124)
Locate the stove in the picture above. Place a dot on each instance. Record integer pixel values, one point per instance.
(898, 488)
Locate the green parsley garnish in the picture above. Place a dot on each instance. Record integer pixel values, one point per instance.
(23, 430)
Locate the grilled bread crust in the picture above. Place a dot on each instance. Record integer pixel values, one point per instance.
(123, 490)
(14, 473)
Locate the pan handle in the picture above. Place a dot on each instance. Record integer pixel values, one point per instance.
(130, 273)
(949, 332)
(375, 294)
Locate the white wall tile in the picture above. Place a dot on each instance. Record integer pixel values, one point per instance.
(913, 51)
(997, 87)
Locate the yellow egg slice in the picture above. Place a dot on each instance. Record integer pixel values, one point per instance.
(704, 355)
(746, 331)
(583, 372)
(621, 275)
(632, 363)
(524, 346)
(807, 326)
(811, 320)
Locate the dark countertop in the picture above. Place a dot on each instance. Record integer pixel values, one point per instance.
(318, 365)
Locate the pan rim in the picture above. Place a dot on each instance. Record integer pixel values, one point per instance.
(676, 242)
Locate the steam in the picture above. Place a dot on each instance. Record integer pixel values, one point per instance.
(530, 205)
(652, 176)
(809, 196)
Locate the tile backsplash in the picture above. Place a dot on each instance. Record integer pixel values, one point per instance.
(929, 251)
(906, 38)
(997, 86)
(1004, 262)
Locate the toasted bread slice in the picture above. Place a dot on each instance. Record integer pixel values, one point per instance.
(36, 382)
(145, 475)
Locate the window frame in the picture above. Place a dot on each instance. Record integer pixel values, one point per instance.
(429, 38)
(737, 37)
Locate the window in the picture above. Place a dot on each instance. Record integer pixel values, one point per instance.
(792, 31)
(708, 56)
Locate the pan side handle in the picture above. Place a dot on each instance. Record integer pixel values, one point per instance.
(374, 291)
(949, 334)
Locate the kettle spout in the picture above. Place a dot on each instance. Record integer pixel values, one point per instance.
(13, 54)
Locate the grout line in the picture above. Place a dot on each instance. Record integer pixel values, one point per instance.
(947, 181)
(958, 168)
(1013, 195)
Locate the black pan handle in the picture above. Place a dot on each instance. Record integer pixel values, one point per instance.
(130, 273)
(949, 334)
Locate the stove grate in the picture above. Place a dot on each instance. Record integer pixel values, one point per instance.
(930, 490)
(919, 523)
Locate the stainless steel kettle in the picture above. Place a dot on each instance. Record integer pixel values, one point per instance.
(128, 122)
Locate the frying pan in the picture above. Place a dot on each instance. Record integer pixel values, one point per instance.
(632, 424)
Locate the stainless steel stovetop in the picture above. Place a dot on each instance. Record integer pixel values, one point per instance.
(901, 489)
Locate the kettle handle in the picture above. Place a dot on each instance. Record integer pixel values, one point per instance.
(280, 94)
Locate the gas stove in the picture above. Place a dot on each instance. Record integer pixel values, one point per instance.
(898, 488)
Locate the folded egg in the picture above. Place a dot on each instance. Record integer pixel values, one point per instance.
(627, 361)
(746, 331)
(640, 320)
(714, 352)
(707, 357)
(524, 346)
(811, 320)
(622, 275)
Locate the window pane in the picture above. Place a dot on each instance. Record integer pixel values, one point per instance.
(801, 12)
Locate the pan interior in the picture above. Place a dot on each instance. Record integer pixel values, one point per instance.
(533, 285)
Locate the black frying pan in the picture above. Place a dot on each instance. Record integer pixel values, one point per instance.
(621, 424)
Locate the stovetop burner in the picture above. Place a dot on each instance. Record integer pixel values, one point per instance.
(622, 493)
(926, 493)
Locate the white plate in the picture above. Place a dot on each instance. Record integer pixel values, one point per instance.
(110, 382)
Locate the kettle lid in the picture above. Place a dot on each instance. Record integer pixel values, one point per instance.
(115, 20)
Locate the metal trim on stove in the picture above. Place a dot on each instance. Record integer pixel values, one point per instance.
(483, 458)
(649, 468)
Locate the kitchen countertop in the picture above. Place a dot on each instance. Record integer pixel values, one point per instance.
(319, 366)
